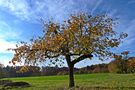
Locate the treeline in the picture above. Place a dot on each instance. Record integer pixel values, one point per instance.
(122, 66)
(19, 71)
(116, 66)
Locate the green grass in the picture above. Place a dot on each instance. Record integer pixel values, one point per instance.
(104, 81)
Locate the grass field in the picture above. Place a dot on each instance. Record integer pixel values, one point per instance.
(104, 81)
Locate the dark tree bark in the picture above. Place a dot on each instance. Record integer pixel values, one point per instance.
(71, 76)
(71, 67)
(71, 71)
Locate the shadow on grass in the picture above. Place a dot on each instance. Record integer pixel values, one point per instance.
(6, 84)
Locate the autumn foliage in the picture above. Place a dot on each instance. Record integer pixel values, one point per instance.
(80, 37)
(122, 63)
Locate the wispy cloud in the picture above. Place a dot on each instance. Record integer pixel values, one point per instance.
(130, 30)
(5, 58)
(8, 35)
(4, 45)
(17, 7)
(96, 6)
(131, 1)
(58, 9)
(128, 27)
(7, 32)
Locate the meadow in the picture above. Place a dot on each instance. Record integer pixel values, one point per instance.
(104, 81)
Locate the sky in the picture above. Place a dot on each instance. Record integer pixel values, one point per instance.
(21, 19)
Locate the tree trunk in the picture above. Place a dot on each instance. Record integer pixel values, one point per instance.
(71, 71)
(71, 76)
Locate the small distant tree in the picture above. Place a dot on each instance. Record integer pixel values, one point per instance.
(119, 65)
(80, 37)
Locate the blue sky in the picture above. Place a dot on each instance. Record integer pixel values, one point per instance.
(20, 20)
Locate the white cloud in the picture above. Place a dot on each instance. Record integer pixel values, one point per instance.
(19, 8)
(4, 60)
(8, 35)
(4, 45)
(58, 9)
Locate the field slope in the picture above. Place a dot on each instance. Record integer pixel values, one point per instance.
(83, 82)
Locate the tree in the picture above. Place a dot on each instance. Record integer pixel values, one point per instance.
(119, 65)
(80, 37)
(131, 65)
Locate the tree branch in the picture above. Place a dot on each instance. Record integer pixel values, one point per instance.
(74, 54)
(82, 58)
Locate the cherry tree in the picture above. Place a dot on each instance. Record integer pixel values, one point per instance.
(81, 37)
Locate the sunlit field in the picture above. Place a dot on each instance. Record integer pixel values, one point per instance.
(104, 81)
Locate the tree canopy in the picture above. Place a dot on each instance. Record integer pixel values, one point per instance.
(80, 37)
